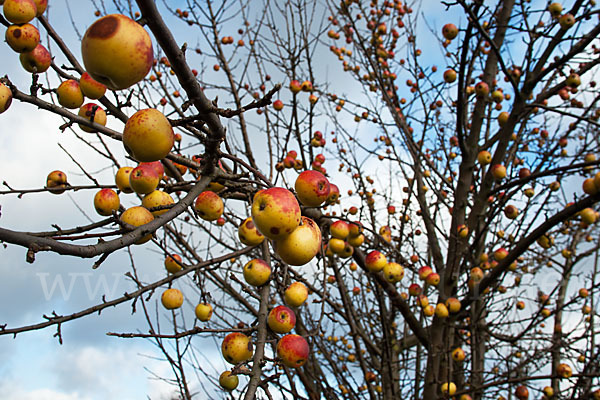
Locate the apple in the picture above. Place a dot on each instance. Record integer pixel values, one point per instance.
(497, 96)
(22, 38)
(511, 212)
(453, 305)
(481, 89)
(555, 9)
(138, 216)
(300, 246)
(249, 234)
(522, 393)
(463, 231)
(19, 11)
(441, 311)
(588, 216)
(415, 289)
(520, 305)
(336, 245)
(393, 272)
(449, 76)
(56, 182)
(312, 188)
(449, 31)
(529, 192)
(209, 206)
(257, 272)
(173, 263)
(422, 301)
(484, 157)
(306, 86)
(458, 354)
(40, 6)
(375, 261)
(117, 51)
(203, 311)
(106, 201)
(334, 194)
(296, 294)
(143, 179)
(236, 347)
(69, 94)
(295, 86)
(275, 212)
(293, 350)
(386, 233)
(566, 21)
(5, 97)
(281, 319)
(596, 394)
(548, 391)
(498, 171)
(339, 229)
(500, 254)
(433, 279)
(122, 179)
(476, 274)
(148, 135)
(356, 241)
(503, 118)
(278, 105)
(448, 388)
(424, 272)
(171, 299)
(157, 198)
(93, 113)
(37, 60)
(573, 80)
(228, 381)
(583, 293)
(90, 87)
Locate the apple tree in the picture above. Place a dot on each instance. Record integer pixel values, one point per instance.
(357, 199)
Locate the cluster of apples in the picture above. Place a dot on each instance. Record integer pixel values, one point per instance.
(290, 161)
(306, 86)
(345, 237)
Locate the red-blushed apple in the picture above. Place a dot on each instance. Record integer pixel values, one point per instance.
(236, 347)
(522, 393)
(157, 166)
(148, 135)
(520, 305)
(375, 261)
(295, 86)
(93, 113)
(385, 232)
(257, 272)
(296, 294)
(484, 157)
(449, 75)
(22, 38)
(293, 350)
(476, 274)
(249, 234)
(19, 11)
(122, 179)
(228, 381)
(306, 86)
(429, 310)
(281, 319)
(449, 31)
(209, 205)
(90, 87)
(415, 289)
(40, 6)
(300, 246)
(548, 392)
(441, 311)
(138, 216)
(155, 199)
(5, 97)
(278, 105)
(334, 194)
(463, 231)
(555, 9)
(564, 370)
(453, 305)
(203, 311)
(173, 263)
(143, 179)
(275, 212)
(117, 52)
(448, 388)
(458, 354)
(500, 254)
(422, 301)
(433, 279)
(498, 171)
(566, 21)
(482, 89)
(171, 299)
(37, 60)
(393, 272)
(424, 272)
(106, 201)
(69, 94)
(339, 229)
(56, 182)
(312, 188)
(511, 212)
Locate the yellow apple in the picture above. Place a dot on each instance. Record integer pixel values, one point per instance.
(40, 6)
(228, 381)
(56, 182)
(172, 299)
(393, 272)
(90, 87)
(458, 354)
(19, 11)
(448, 388)
(93, 113)
(148, 135)
(157, 198)
(37, 60)
(300, 246)
(22, 38)
(257, 272)
(5, 97)
(138, 216)
(209, 206)
(122, 179)
(249, 234)
(69, 94)
(203, 311)
(106, 201)
(173, 263)
(117, 51)
(236, 347)
(143, 179)
(275, 212)
(296, 294)
(375, 261)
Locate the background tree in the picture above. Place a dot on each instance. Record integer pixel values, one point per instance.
(460, 259)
